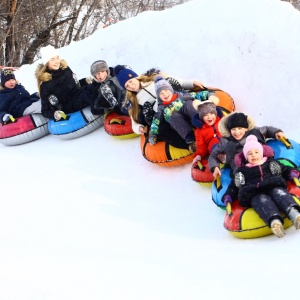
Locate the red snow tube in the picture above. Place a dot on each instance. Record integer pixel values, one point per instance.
(24, 130)
(119, 126)
(201, 173)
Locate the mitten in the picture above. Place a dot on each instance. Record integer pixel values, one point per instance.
(294, 174)
(227, 199)
(174, 83)
(8, 117)
(58, 114)
(196, 159)
(89, 79)
(152, 139)
(148, 112)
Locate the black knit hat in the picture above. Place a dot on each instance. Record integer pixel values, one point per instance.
(237, 120)
(6, 75)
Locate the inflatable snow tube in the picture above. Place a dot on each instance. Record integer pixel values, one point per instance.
(226, 102)
(76, 125)
(220, 186)
(201, 173)
(287, 153)
(24, 130)
(119, 126)
(164, 154)
(245, 223)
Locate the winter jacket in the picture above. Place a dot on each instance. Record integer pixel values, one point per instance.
(117, 91)
(14, 101)
(64, 85)
(250, 181)
(230, 146)
(207, 137)
(164, 112)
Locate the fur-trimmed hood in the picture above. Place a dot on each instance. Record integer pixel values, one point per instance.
(42, 75)
(223, 124)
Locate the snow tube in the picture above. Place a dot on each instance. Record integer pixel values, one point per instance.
(245, 223)
(24, 130)
(201, 173)
(287, 152)
(119, 126)
(164, 154)
(76, 125)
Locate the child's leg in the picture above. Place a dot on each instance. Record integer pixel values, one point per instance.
(286, 204)
(34, 108)
(266, 208)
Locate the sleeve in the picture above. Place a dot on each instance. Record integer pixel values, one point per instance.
(213, 158)
(269, 131)
(200, 144)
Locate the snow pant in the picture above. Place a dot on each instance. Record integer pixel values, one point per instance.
(268, 205)
(181, 121)
(34, 108)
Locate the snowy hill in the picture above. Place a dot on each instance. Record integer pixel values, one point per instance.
(90, 218)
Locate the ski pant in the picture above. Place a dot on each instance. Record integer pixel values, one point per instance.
(34, 108)
(181, 120)
(268, 205)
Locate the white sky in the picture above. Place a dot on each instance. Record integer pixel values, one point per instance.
(90, 218)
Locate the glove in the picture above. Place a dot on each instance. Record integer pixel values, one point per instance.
(174, 83)
(196, 159)
(227, 199)
(89, 79)
(8, 117)
(294, 174)
(148, 112)
(152, 139)
(58, 114)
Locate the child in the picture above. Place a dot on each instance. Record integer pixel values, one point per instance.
(59, 88)
(260, 182)
(235, 128)
(111, 94)
(206, 123)
(176, 109)
(15, 100)
(141, 100)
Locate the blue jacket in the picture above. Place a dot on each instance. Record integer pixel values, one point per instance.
(15, 101)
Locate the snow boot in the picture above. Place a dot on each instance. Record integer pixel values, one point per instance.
(277, 228)
(294, 216)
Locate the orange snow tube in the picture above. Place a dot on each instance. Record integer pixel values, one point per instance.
(164, 154)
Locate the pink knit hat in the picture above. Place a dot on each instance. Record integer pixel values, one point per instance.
(252, 143)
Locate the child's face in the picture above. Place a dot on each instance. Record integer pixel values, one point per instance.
(254, 156)
(132, 85)
(238, 132)
(10, 84)
(165, 95)
(54, 63)
(210, 119)
(101, 76)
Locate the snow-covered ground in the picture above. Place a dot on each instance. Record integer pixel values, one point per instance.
(90, 218)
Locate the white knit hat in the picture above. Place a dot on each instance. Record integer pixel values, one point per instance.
(47, 53)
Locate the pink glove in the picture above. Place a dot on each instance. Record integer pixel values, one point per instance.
(196, 159)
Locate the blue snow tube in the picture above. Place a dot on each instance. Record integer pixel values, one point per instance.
(77, 124)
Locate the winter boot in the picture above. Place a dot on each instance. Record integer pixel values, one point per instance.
(294, 216)
(277, 228)
(108, 95)
(192, 147)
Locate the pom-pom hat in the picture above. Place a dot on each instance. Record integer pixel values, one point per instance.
(161, 84)
(124, 74)
(7, 75)
(237, 120)
(98, 66)
(252, 143)
(47, 53)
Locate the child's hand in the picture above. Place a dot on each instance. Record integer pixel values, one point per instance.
(142, 129)
(58, 114)
(198, 84)
(196, 159)
(216, 172)
(280, 135)
(8, 117)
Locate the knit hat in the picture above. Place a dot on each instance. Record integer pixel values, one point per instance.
(98, 66)
(6, 75)
(237, 120)
(47, 53)
(206, 107)
(252, 143)
(161, 84)
(124, 74)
